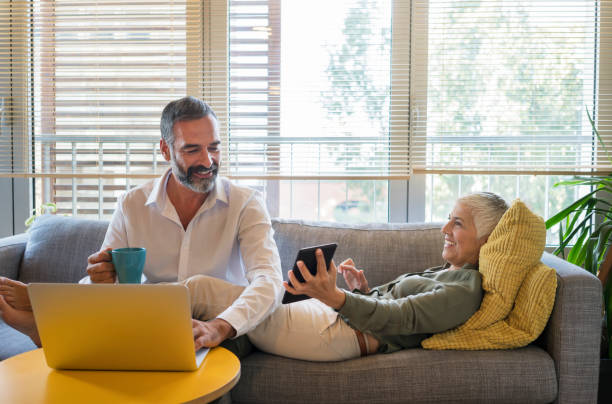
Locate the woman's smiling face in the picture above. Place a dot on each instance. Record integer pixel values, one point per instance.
(461, 244)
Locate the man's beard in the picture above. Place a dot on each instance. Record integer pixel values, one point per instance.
(200, 185)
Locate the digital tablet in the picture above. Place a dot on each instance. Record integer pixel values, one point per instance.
(307, 255)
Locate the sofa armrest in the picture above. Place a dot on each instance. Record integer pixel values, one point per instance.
(573, 333)
(11, 253)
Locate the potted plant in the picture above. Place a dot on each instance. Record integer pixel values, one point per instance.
(48, 207)
(587, 222)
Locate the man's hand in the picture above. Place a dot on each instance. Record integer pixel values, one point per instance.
(211, 333)
(354, 278)
(322, 286)
(100, 267)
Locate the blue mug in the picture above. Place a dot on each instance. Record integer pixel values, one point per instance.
(129, 263)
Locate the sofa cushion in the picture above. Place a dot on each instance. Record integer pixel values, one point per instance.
(525, 375)
(11, 253)
(13, 342)
(509, 262)
(58, 248)
(383, 251)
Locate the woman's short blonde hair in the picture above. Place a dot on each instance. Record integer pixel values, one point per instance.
(486, 208)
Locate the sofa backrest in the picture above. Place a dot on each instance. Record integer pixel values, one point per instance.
(58, 247)
(384, 251)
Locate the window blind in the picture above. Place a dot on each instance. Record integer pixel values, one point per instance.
(94, 77)
(508, 87)
(350, 89)
(310, 89)
(97, 76)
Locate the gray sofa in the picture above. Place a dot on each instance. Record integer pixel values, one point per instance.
(561, 366)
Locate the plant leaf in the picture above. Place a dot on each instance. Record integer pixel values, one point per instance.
(603, 145)
(576, 255)
(573, 207)
(560, 251)
(590, 264)
(570, 233)
(604, 181)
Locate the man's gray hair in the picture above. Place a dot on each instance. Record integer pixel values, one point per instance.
(486, 208)
(184, 109)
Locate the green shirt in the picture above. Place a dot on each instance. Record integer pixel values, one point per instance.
(402, 313)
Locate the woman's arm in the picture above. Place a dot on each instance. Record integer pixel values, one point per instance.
(426, 305)
(416, 305)
(354, 278)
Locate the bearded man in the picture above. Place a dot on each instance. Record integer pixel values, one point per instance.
(193, 222)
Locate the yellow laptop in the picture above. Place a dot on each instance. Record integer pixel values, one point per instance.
(115, 326)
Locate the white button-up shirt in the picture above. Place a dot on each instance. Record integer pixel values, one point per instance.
(230, 237)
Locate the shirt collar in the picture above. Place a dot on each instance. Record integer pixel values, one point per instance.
(158, 193)
(464, 266)
(220, 193)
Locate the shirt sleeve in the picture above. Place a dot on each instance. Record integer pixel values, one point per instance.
(262, 269)
(116, 235)
(439, 306)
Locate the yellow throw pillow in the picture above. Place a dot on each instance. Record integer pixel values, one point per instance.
(526, 321)
(511, 306)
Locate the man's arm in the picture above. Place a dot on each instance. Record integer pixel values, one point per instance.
(100, 268)
(262, 266)
(211, 333)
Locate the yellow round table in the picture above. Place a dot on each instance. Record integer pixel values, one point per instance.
(26, 378)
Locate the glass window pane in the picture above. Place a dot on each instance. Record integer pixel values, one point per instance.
(508, 82)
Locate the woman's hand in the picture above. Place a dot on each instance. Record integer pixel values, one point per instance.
(354, 278)
(321, 286)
